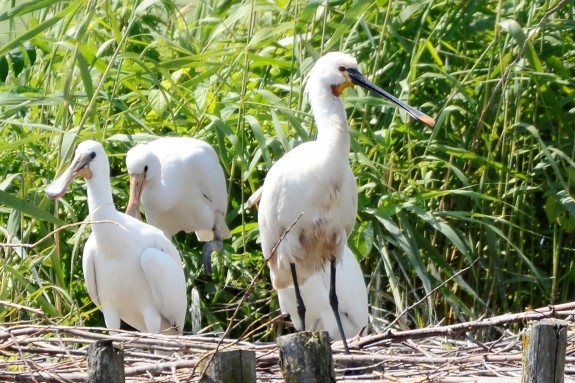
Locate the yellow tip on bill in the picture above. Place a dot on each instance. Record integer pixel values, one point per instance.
(427, 120)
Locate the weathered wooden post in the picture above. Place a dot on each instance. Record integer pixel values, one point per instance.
(544, 355)
(105, 363)
(230, 365)
(306, 357)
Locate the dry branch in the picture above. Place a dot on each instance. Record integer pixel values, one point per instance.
(246, 294)
(444, 283)
(54, 353)
(557, 311)
(53, 232)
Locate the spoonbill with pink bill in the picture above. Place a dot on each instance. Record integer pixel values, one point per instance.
(132, 271)
(181, 186)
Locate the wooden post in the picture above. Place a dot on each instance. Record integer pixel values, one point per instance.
(306, 357)
(544, 354)
(105, 363)
(230, 365)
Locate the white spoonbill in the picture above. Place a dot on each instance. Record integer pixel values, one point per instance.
(181, 185)
(352, 297)
(309, 203)
(132, 271)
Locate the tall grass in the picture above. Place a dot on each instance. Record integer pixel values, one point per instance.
(489, 187)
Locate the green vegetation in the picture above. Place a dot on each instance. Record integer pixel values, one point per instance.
(489, 188)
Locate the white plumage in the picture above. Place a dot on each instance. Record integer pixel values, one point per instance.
(181, 186)
(132, 271)
(351, 293)
(316, 181)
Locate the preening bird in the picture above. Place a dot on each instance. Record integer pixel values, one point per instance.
(132, 271)
(181, 186)
(309, 201)
(351, 294)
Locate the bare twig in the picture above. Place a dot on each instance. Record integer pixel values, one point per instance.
(244, 297)
(50, 234)
(284, 234)
(54, 353)
(29, 309)
(430, 293)
(558, 311)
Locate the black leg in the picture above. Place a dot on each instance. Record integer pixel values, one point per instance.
(298, 299)
(215, 245)
(207, 257)
(334, 305)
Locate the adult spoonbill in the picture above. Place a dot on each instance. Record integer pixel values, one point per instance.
(132, 271)
(352, 297)
(309, 203)
(181, 185)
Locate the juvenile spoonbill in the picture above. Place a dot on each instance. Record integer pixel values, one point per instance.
(132, 271)
(351, 295)
(181, 186)
(309, 203)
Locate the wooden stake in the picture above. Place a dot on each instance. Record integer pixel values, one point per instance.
(306, 357)
(230, 365)
(544, 355)
(105, 363)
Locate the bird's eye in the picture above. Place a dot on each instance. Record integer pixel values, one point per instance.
(146, 169)
(342, 68)
(93, 155)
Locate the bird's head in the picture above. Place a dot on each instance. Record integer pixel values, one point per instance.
(339, 71)
(333, 70)
(89, 154)
(140, 163)
(138, 160)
